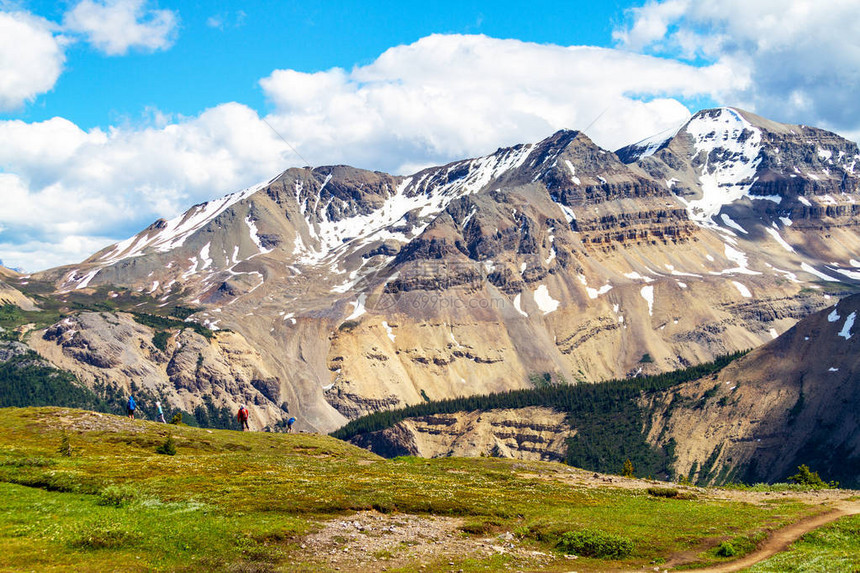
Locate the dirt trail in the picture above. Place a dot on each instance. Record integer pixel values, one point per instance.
(842, 503)
(782, 538)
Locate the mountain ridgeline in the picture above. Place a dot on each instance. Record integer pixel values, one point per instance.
(330, 293)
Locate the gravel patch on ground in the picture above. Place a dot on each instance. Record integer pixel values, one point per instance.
(372, 541)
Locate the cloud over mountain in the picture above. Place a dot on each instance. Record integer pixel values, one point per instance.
(448, 96)
(794, 61)
(437, 99)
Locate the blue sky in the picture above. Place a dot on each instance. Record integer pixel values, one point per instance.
(114, 113)
(222, 49)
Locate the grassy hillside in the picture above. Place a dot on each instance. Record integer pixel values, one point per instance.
(233, 501)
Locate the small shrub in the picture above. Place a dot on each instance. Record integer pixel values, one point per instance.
(628, 470)
(807, 477)
(646, 359)
(482, 526)
(726, 549)
(183, 312)
(542, 381)
(596, 543)
(176, 420)
(663, 491)
(384, 507)
(65, 448)
(29, 462)
(103, 535)
(168, 448)
(118, 495)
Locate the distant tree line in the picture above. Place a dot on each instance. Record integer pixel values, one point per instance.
(610, 425)
(161, 323)
(27, 380)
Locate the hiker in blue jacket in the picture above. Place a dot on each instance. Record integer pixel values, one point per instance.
(131, 407)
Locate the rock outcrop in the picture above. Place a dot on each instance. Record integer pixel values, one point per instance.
(113, 349)
(525, 434)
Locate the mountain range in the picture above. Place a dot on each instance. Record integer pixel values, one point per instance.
(331, 292)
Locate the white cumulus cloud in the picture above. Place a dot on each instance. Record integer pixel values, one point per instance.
(117, 26)
(58, 181)
(31, 58)
(794, 60)
(451, 96)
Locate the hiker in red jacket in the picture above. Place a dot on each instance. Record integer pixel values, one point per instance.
(242, 416)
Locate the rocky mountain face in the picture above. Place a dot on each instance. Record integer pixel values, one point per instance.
(349, 291)
(522, 433)
(11, 295)
(110, 348)
(793, 401)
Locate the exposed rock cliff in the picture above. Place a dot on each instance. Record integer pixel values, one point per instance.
(525, 434)
(112, 348)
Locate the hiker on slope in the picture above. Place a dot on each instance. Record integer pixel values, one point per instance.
(130, 407)
(242, 417)
(160, 413)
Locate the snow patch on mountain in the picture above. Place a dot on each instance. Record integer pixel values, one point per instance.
(729, 146)
(518, 304)
(846, 328)
(647, 293)
(204, 256)
(742, 288)
(813, 271)
(544, 301)
(331, 237)
(595, 292)
(730, 223)
(176, 231)
(740, 259)
(87, 278)
(358, 307)
(636, 276)
(389, 330)
(573, 176)
(255, 236)
(850, 274)
(778, 238)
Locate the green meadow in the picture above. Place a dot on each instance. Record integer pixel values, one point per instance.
(233, 501)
